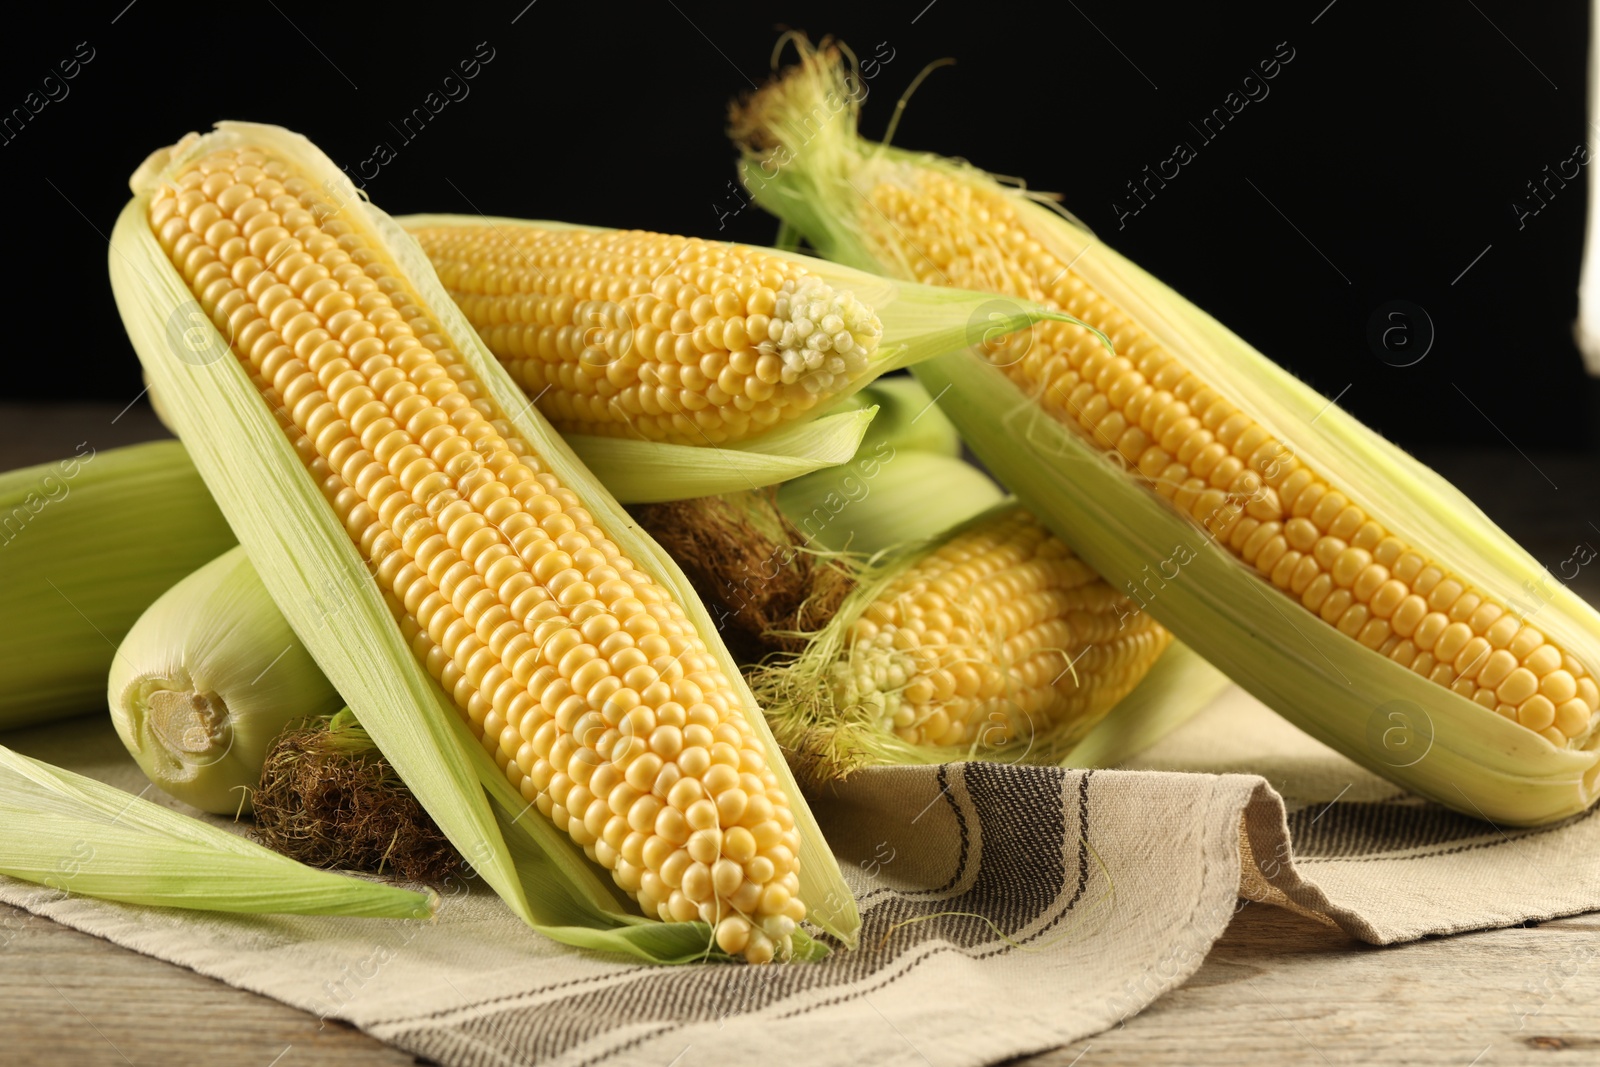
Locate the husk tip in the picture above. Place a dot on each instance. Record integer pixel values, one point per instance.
(759, 118)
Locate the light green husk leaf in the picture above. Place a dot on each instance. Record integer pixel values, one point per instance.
(83, 837)
(1419, 734)
(86, 543)
(902, 485)
(650, 472)
(304, 557)
(206, 680)
(885, 498)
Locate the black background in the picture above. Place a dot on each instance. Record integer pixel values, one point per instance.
(1385, 159)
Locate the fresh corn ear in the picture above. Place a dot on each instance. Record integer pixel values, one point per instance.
(86, 543)
(880, 503)
(994, 641)
(631, 334)
(484, 606)
(651, 337)
(206, 679)
(1333, 576)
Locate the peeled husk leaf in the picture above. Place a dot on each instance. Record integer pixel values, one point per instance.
(648, 472)
(83, 837)
(86, 543)
(886, 499)
(908, 417)
(904, 483)
(1404, 727)
(301, 552)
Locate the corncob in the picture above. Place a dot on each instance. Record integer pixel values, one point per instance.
(574, 665)
(1249, 490)
(86, 543)
(646, 337)
(1171, 405)
(993, 640)
(625, 333)
(980, 637)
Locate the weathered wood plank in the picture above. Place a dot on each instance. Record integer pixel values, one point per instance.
(74, 999)
(1277, 989)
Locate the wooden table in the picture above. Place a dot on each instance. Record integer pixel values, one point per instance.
(1275, 989)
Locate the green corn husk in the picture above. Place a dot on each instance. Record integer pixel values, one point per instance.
(884, 499)
(904, 483)
(1398, 724)
(653, 472)
(83, 837)
(205, 681)
(86, 543)
(919, 322)
(300, 549)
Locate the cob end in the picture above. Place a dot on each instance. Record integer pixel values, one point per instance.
(172, 723)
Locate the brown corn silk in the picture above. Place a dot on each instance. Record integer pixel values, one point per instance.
(750, 566)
